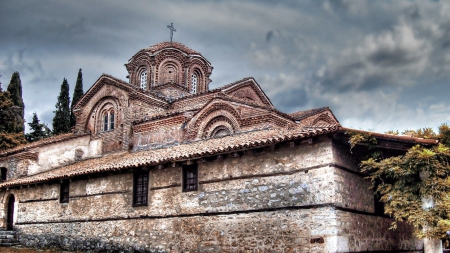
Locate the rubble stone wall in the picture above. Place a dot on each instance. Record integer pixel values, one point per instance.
(289, 198)
(303, 230)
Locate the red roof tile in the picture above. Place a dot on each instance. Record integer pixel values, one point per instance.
(166, 44)
(391, 137)
(185, 151)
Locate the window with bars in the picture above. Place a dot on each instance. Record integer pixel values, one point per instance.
(144, 80)
(194, 83)
(140, 188)
(64, 192)
(190, 178)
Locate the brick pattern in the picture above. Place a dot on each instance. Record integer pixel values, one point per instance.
(170, 62)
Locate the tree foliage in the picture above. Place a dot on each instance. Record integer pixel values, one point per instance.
(15, 90)
(10, 118)
(38, 131)
(61, 120)
(405, 183)
(77, 94)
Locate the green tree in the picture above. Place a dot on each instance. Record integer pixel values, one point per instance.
(404, 182)
(77, 94)
(61, 120)
(9, 119)
(38, 131)
(15, 89)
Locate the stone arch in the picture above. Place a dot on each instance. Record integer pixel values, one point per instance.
(138, 77)
(201, 82)
(213, 117)
(106, 105)
(218, 127)
(170, 70)
(139, 62)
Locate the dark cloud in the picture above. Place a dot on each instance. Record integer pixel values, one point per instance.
(369, 60)
(291, 100)
(269, 36)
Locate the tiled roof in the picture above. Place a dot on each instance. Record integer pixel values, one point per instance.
(304, 114)
(52, 139)
(181, 152)
(391, 137)
(166, 44)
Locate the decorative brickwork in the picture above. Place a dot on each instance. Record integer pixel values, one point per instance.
(163, 164)
(170, 63)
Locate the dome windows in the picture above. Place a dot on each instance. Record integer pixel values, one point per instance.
(194, 80)
(143, 80)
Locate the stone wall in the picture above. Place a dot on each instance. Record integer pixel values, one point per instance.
(50, 156)
(285, 198)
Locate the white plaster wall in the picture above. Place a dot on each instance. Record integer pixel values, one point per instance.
(61, 153)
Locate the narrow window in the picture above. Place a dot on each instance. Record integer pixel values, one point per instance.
(144, 80)
(3, 172)
(194, 83)
(190, 178)
(140, 188)
(64, 192)
(105, 123)
(111, 121)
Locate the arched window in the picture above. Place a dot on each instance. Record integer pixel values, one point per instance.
(108, 121)
(144, 80)
(111, 120)
(194, 80)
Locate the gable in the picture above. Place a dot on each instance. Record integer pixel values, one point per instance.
(317, 117)
(248, 90)
(117, 93)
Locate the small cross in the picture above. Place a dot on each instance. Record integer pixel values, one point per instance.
(172, 29)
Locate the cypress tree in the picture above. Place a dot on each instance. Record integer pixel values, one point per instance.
(38, 131)
(15, 89)
(9, 119)
(77, 94)
(61, 120)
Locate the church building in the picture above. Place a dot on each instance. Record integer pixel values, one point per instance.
(162, 163)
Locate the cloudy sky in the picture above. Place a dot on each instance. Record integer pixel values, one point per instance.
(379, 65)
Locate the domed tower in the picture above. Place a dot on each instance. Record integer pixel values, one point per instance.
(169, 62)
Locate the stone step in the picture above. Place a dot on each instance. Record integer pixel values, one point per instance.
(9, 244)
(7, 236)
(7, 232)
(9, 240)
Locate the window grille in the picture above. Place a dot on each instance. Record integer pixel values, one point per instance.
(194, 83)
(140, 188)
(190, 178)
(64, 192)
(144, 80)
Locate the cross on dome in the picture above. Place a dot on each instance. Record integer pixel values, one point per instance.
(172, 29)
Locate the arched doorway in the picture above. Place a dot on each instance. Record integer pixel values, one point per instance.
(10, 214)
